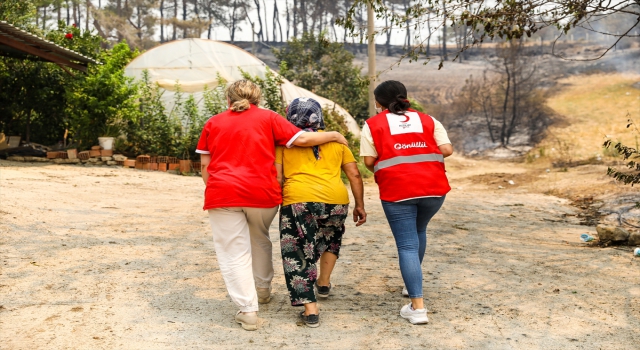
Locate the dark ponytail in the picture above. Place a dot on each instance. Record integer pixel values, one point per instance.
(392, 95)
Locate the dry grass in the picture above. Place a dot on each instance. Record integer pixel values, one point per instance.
(593, 106)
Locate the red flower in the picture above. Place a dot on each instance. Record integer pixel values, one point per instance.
(74, 25)
(69, 36)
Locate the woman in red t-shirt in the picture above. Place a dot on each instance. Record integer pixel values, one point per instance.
(237, 151)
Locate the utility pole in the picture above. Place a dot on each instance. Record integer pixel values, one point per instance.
(372, 57)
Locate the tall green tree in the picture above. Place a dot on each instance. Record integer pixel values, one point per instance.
(104, 98)
(20, 13)
(325, 68)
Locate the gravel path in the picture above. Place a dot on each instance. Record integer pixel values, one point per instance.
(104, 258)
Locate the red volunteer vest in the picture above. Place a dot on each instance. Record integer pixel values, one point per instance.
(409, 163)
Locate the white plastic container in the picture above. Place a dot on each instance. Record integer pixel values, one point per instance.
(106, 142)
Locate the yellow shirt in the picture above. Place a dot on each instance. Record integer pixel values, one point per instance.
(309, 180)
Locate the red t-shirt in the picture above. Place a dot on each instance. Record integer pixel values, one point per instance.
(242, 149)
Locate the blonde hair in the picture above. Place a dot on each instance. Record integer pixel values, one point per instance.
(242, 94)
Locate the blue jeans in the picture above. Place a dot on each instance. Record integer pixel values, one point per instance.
(408, 220)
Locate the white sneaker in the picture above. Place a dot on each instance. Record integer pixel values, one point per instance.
(248, 320)
(405, 292)
(414, 316)
(264, 295)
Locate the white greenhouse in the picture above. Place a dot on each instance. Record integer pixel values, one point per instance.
(195, 64)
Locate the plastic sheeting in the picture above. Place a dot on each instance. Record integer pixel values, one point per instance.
(195, 64)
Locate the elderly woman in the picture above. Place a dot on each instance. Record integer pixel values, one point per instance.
(242, 195)
(406, 149)
(314, 209)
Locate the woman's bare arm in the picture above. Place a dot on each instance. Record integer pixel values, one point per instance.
(310, 139)
(279, 174)
(446, 149)
(205, 159)
(353, 174)
(369, 162)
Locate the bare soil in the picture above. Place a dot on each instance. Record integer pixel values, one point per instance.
(104, 258)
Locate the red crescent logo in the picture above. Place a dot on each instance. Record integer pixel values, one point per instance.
(404, 121)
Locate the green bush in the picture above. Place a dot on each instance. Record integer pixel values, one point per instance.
(104, 99)
(160, 132)
(325, 68)
(41, 102)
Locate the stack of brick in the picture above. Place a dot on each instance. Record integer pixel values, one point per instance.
(98, 156)
(153, 163)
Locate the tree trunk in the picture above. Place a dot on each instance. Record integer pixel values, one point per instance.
(233, 21)
(347, 4)
(517, 69)
(503, 131)
(288, 21)
(430, 33)
(59, 10)
(488, 115)
(360, 28)
(465, 53)
(79, 22)
(260, 32)
(175, 18)
(276, 20)
(295, 18)
(386, 24)
(333, 27)
(44, 17)
(407, 24)
(161, 21)
(185, 34)
(75, 14)
(303, 15)
(69, 13)
(266, 23)
(444, 32)
(88, 4)
(196, 11)
(210, 16)
(514, 109)
(139, 29)
(458, 33)
(118, 12)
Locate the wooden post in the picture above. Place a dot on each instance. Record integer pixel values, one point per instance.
(372, 57)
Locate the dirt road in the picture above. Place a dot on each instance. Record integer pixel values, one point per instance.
(103, 258)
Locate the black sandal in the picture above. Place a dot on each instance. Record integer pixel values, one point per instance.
(323, 291)
(312, 321)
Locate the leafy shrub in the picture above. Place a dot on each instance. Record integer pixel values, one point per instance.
(158, 131)
(325, 68)
(41, 102)
(104, 99)
(270, 87)
(631, 176)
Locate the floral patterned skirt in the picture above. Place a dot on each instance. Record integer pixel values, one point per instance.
(307, 230)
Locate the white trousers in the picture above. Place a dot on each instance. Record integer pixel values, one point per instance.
(242, 244)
